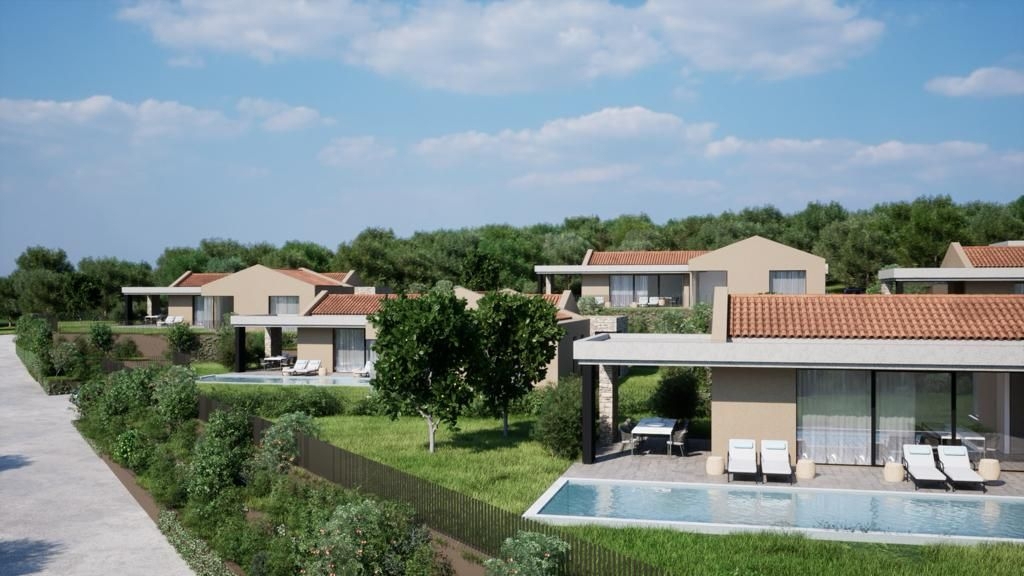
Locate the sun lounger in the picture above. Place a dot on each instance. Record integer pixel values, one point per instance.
(741, 459)
(919, 465)
(775, 459)
(299, 367)
(169, 320)
(312, 369)
(367, 371)
(956, 465)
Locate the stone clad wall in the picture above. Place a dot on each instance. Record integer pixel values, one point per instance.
(607, 324)
(607, 403)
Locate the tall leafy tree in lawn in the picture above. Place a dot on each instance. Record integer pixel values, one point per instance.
(39, 281)
(423, 349)
(9, 311)
(516, 340)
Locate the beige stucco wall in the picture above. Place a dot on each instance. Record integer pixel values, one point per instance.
(317, 344)
(756, 403)
(749, 262)
(561, 364)
(252, 288)
(180, 306)
(955, 257)
(596, 285)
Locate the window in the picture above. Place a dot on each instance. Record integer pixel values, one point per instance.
(349, 349)
(707, 282)
(622, 291)
(787, 282)
(284, 305)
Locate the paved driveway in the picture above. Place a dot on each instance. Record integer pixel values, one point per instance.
(62, 511)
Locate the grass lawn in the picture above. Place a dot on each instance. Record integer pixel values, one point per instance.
(5, 330)
(636, 389)
(507, 472)
(207, 368)
(82, 327)
(771, 554)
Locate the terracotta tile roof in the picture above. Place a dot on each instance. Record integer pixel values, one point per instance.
(339, 276)
(552, 299)
(901, 316)
(309, 277)
(350, 304)
(563, 315)
(995, 256)
(646, 258)
(196, 279)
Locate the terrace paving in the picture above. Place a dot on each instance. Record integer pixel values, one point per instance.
(656, 466)
(62, 511)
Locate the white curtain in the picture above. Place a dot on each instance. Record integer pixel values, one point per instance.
(622, 291)
(834, 416)
(349, 349)
(787, 282)
(640, 285)
(202, 311)
(707, 282)
(896, 400)
(284, 305)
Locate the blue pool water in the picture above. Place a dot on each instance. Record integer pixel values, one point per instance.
(802, 509)
(286, 380)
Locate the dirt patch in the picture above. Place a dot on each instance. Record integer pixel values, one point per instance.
(466, 561)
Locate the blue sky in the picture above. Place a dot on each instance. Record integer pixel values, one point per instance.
(127, 127)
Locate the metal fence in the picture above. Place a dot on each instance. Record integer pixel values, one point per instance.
(475, 523)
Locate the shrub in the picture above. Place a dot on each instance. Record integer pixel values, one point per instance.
(34, 336)
(132, 450)
(369, 405)
(101, 337)
(165, 477)
(279, 448)
(176, 395)
(528, 554)
(559, 420)
(677, 395)
(368, 537)
(588, 306)
(182, 339)
(65, 358)
(254, 345)
(195, 552)
(219, 455)
(317, 402)
(57, 385)
(126, 391)
(125, 349)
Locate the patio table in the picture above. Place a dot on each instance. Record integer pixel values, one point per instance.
(656, 427)
(274, 361)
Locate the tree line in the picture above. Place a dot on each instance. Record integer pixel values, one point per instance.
(855, 243)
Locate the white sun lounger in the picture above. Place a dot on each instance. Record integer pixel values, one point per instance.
(775, 459)
(312, 369)
(919, 464)
(741, 459)
(956, 465)
(367, 370)
(299, 367)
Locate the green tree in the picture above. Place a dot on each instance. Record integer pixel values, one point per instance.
(9, 311)
(516, 339)
(107, 276)
(296, 254)
(182, 339)
(42, 258)
(424, 347)
(176, 261)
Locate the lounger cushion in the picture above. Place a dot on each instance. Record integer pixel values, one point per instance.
(743, 445)
(774, 445)
(953, 451)
(919, 450)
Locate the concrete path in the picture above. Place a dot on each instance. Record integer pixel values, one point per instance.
(62, 511)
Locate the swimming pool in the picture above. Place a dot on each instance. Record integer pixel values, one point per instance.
(280, 379)
(894, 517)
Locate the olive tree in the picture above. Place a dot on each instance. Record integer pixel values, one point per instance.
(516, 340)
(423, 349)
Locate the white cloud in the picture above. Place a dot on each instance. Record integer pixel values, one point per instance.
(607, 126)
(277, 116)
(981, 82)
(147, 119)
(186, 62)
(895, 152)
(354, 151)
(731, 145)
(587, 175)
(507, 46)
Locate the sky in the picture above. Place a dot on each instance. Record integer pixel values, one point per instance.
(128, 127)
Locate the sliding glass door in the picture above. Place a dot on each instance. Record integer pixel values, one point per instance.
(834, 416)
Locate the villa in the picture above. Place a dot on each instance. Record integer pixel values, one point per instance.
(845, 379)
(994, 269)
(202, 299)
(687, 277)
(333, 328)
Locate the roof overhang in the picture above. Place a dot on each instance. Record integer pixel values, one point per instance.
(281, 321)
(613, 269)
(701, 350)
(951, 275)
(161, 291)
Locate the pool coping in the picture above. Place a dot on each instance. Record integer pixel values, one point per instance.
(280, 380)
(533, 513)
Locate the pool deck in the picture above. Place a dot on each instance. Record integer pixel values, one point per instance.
(615, 464)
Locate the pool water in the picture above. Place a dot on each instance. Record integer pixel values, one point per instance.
(838, 511)
(280, 379)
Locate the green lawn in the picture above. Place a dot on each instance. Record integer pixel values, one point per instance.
(5, 330)
(207, 368)
(635, 390)
(82, 327)
(507, 472)
(770, 554)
